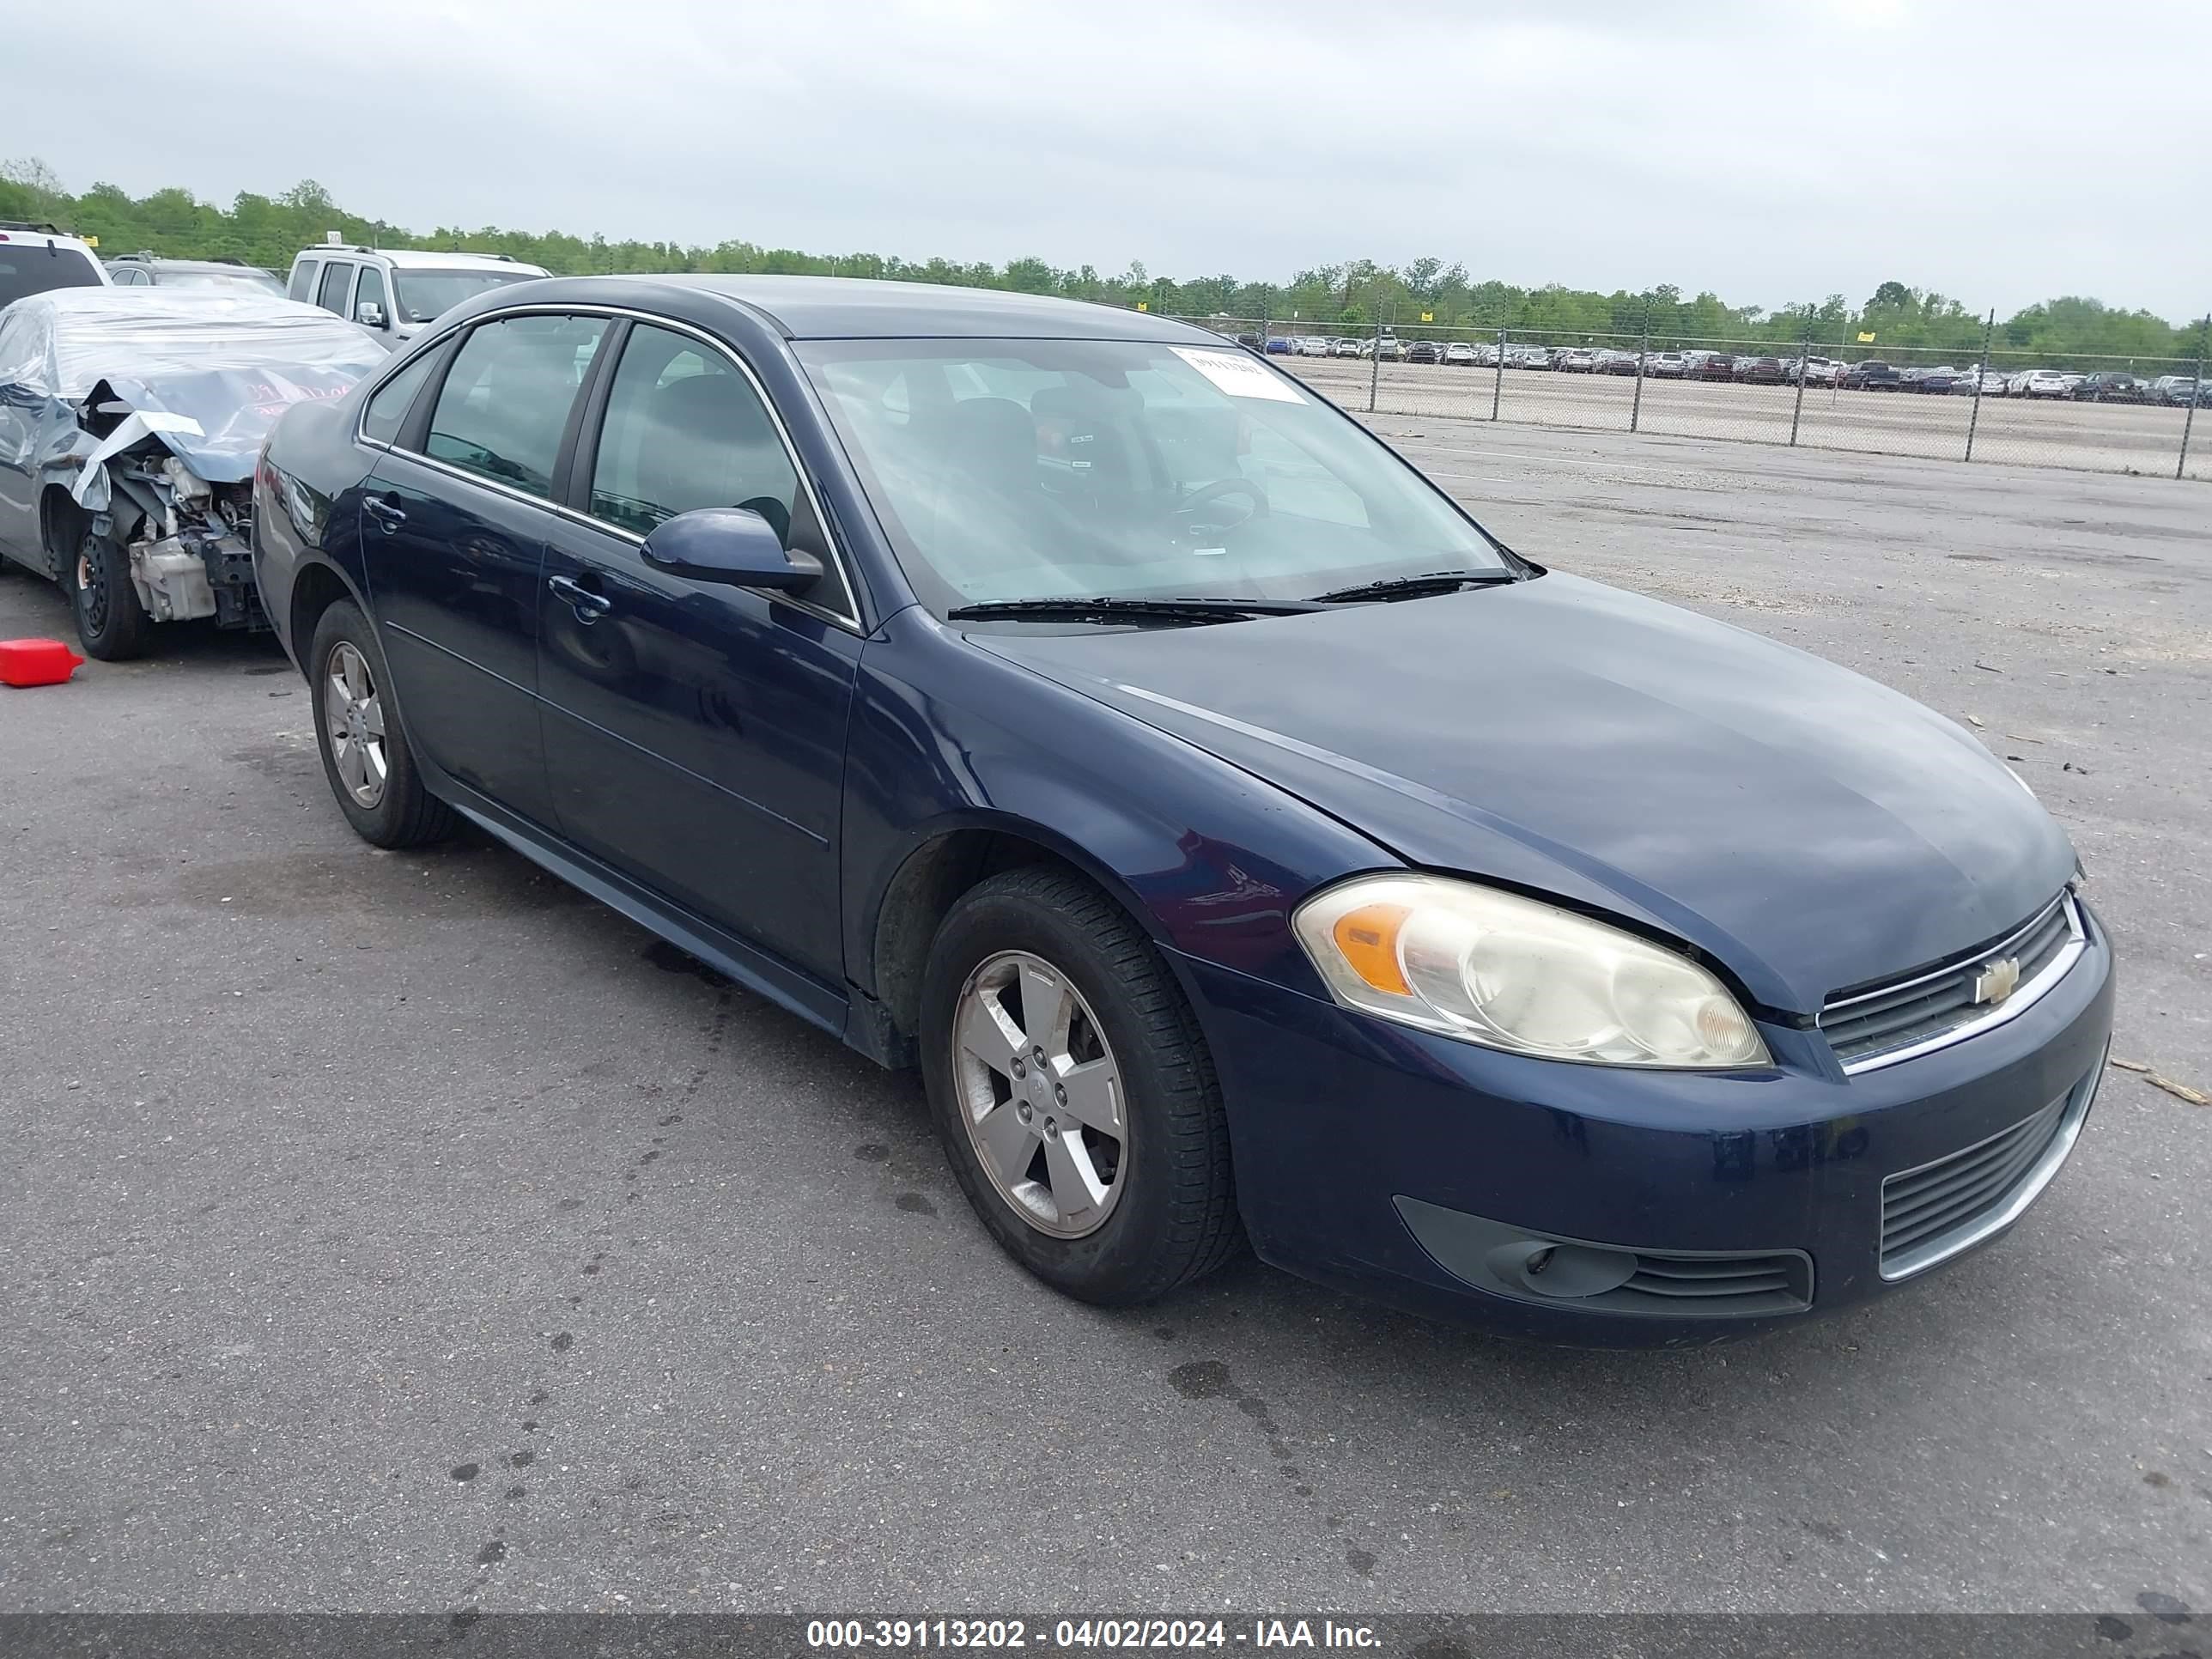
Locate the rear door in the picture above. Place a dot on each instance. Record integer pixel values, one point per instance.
(334, 294)
(454, 520)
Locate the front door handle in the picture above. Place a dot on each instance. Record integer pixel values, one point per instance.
(588, 605)
(387, 513)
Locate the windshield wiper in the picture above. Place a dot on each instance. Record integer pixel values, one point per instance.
(1106, 608)
(1416, 587)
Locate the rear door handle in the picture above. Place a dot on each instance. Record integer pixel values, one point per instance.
(589, 606)
(387, 516)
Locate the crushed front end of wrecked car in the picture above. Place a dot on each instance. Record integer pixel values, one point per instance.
(190, 539)
(135, 420)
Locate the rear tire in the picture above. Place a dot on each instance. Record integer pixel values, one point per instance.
(111, 624)
(1164, 1212)
(365, 755)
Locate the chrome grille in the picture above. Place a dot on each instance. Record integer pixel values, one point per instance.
(1881, 1025)
(1940, 1208)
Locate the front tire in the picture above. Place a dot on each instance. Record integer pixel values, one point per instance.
(365, 756)
(1073, 1091)
(113, 626)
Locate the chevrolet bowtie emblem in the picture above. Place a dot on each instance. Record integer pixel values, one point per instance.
(1996, 980)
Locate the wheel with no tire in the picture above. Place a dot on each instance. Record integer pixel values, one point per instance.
(365, 756)
(1073, 1091)
(111, 624)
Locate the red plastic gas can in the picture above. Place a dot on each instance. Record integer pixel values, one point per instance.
(36, 662)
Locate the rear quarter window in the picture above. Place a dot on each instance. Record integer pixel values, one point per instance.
(303, 281)
(389, 403)
(27, 268)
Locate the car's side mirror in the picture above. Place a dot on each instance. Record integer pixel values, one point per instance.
(731, 544)
(368, 314)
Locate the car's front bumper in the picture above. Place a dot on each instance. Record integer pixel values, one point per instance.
(1411, 1167)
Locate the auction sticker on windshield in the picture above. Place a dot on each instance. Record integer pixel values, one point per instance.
(1238, 375)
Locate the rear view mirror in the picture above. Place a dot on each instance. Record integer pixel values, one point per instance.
(731, 544)
(368, 314)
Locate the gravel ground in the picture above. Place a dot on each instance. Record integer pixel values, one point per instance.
(409, 1232)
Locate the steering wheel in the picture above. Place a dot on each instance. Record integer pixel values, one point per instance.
(1186, 512)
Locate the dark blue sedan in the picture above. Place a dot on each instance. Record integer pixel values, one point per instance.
(1242, 842)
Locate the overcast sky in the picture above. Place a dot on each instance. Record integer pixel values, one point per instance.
(1769, 150)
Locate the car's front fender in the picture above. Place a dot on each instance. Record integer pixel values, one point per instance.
(947, 738)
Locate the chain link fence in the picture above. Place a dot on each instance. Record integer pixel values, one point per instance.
(2135, 415)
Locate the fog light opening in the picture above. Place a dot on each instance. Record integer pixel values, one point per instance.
(1566, 1272)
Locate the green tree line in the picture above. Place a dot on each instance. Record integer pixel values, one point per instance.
(268, 230)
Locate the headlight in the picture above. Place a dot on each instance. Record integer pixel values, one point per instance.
(1496, 969)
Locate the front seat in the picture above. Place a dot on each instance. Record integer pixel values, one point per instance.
(709, 444)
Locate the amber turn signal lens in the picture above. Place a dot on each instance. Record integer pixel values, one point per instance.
(1367, 937)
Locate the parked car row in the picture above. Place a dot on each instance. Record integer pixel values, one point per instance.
(391, 292)
(1750, 368)
(135, 393)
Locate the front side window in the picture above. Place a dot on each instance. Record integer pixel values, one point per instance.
(371, 293)
(338, 276)
(1041, 469)
(506, 399)
(684, 429)
(426, 295)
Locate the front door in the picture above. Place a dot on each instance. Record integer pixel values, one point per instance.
(453, 522)
(696, 731)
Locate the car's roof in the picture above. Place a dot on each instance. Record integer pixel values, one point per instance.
(415, 258)
(161, 263)
(841, 307)
(27, 235)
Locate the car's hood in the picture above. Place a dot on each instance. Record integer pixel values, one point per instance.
(215, 420)
(1809, 828)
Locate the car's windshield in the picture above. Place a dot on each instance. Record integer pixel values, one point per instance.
(32, 268)
(424, 295)
(1035, 468)
(227, 281)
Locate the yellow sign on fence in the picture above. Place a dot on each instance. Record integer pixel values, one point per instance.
(1866, 339)
(1144, 305)
(1428, 316)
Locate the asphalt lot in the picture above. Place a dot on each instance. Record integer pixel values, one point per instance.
(2015, 431)
(409, 1232)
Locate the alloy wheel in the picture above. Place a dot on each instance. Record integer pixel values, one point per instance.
(1040, 1094)
(353, 718)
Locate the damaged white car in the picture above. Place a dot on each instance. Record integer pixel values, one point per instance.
(130, 422)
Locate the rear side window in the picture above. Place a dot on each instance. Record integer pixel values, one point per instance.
(506, 400)
(303, 279)
(389, 403)
(338, 276)
(35, 268)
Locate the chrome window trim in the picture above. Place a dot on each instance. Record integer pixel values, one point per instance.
(2025, 997)
(850, 622)
(2029, 1188)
